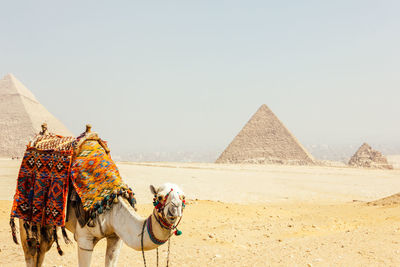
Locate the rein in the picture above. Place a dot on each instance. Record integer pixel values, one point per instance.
(154, 240)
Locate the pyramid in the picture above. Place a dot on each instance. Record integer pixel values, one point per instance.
(366, 157)
(264, 139)
(21, 117)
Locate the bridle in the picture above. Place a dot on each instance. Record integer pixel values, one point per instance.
(159, 206)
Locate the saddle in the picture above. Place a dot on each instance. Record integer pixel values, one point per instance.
(57, 170)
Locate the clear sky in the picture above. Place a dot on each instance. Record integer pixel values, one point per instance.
(187, 75)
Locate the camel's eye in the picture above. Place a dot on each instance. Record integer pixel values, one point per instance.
(160, 198)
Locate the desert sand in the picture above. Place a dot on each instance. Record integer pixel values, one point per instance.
(252, 215)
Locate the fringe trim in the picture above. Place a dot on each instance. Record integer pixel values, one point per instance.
(56, 240)
(107, 202)
(13, 231)
(26, 227)
(65, 236)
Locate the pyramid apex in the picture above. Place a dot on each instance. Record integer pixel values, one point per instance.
(264, 108)
(365, 146)
(11, 85)
(9, 76)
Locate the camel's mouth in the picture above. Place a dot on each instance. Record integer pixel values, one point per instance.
(172, 218)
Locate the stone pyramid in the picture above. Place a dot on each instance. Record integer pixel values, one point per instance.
(21, 117)
(264, 139)
(366, 157)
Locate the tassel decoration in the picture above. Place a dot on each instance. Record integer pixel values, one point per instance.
(26, 227)
(178, 232)
(13, 231)
(56, 239)
(65, 236)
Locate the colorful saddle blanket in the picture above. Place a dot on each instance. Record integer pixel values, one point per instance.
(96, 179)
(42, 187)
(44, 177)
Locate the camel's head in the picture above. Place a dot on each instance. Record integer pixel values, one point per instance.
(169, 201)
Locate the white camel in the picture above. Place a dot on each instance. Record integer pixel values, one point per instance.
(120, 224)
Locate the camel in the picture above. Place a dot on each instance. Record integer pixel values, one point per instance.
(120, 224)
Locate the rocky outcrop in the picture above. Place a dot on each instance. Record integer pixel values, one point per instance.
(387, 201)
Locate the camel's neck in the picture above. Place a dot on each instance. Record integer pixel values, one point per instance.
(128, 226)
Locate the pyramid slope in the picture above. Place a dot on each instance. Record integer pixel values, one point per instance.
(366, 157)
(264, 139)
(10, 86)
(21, 117)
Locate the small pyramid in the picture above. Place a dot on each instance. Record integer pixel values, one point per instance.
(21, 117)
(366, 157)
(264, 139)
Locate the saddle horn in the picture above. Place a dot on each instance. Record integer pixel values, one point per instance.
(88, 128)
(44, 129)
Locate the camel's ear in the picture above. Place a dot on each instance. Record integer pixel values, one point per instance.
(153, 190)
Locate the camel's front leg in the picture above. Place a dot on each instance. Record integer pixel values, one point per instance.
(84, 257)
(86, 243)
(114, 244)
(40, 257)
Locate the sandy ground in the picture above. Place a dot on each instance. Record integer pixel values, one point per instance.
(394, 160)
(253, 216)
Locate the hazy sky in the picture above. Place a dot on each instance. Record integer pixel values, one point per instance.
(187, 75)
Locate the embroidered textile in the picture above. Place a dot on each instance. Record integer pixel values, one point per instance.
(42, 187)
(53, 142)
(48, 164)
(96, 178)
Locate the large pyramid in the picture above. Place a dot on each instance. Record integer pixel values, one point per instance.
(366, 157)
(21, 117)
(264, 139)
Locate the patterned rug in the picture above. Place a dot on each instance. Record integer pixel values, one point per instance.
(53, 142)
(43, 179)
(42, 187)
(96, 179)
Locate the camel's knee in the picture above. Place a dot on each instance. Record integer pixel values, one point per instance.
(86, 243)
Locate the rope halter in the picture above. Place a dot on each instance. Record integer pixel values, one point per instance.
(160, 203)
